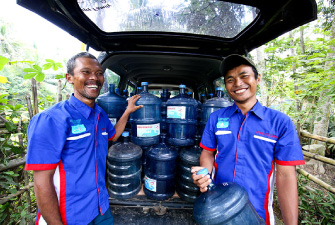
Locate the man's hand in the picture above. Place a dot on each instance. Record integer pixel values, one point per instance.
(121, 124)
(202, 181)
(131, 104)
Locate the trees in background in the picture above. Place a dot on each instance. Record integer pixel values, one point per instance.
(299, 72)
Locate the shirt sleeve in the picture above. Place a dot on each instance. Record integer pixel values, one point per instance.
(46, 139)
(208, 140)
(288, 150)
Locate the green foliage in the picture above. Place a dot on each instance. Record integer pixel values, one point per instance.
(37, 72)
(13, 141)
(3, 62)
(315, 206)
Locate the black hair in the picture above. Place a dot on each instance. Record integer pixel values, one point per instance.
(71, 64)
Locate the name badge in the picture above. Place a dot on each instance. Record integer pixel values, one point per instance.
(222, 123)
(77, 129)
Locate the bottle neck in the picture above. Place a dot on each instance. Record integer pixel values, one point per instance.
(203, 99)
(111, 88)
(182, 91)
(219, 94)
(126, 139)
(165, 95)
(145, 88)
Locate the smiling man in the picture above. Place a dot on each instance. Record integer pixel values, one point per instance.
(250, 144)
(67, 150)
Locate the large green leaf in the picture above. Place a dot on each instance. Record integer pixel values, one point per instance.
(38, 68)
(3, 62)
(59, 76)
(40, 77)
(29, 75)
(28, 70)
(47, 66)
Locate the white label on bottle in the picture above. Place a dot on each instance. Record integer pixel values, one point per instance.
(150, 184)
(149, 130)
(176, 112)
(113, 121)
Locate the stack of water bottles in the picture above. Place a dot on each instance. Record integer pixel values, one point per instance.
(164, 137)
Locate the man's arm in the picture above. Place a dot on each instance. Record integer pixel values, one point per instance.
(206, 160)
(46, 196)
(287, 191)
(121, 124)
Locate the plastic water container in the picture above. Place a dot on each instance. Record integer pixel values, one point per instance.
(124, 169)
(188, 157)
(181, 119)
(227, 203)
(165, 95)
(203, 98)
(160, 171)
(117, 91)
(113, 104)
(138, 90)
(212, 105)
(145, 122)
(125, 93)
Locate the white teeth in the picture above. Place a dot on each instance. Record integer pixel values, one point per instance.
(92, 86)
(240, 91)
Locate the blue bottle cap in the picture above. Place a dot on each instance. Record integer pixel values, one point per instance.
(202, 94)
(189, 93)
(125, 134)
(219, 89)
(182, 86)
(211, 94)
(203, 171)
(144, 83)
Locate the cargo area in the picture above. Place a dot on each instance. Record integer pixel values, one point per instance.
(142, 210)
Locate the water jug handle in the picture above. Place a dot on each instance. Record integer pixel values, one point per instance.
(205, 172)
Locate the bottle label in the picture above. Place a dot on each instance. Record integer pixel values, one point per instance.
(176, 112)
(149, 130)
(150, 184)
(113, 121)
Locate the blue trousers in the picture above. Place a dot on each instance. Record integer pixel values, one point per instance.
(105, 219)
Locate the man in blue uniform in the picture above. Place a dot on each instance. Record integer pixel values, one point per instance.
(67, 150)
(247, 142)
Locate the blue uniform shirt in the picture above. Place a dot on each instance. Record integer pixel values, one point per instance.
(72, 138)
(247, 147)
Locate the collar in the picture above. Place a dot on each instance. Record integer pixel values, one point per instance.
(257, 110)
(84, 109)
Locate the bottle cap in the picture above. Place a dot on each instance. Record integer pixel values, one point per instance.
(219, 89)
(144, 83)
(125, 134)
(182, 86)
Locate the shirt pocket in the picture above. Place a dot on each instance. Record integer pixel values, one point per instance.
(78, 142)
(265, 139)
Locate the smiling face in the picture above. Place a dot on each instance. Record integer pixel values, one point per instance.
(87, 80)
(241, 85)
